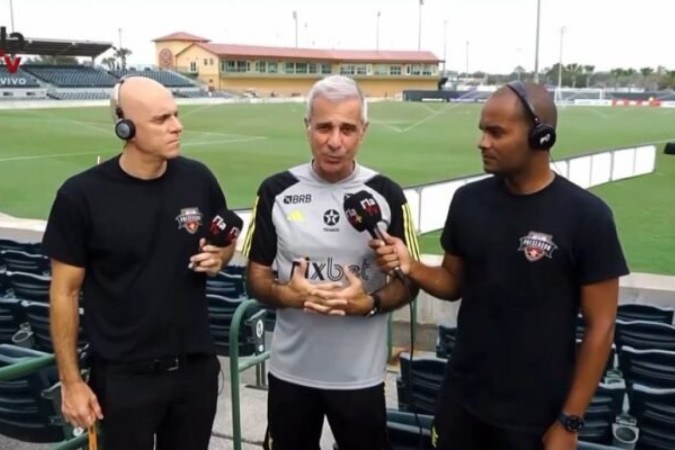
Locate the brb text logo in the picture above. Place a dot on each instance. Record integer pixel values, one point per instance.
(11, 44)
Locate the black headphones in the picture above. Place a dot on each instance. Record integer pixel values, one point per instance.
(541, 136)
(124, 128)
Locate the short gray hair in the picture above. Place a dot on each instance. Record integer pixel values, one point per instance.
(337, 88)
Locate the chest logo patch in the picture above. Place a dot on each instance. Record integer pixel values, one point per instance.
(536, 245)
(190, 219)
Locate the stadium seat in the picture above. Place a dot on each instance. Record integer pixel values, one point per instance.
(404, 430)
(28, 247)
(71, 76)
(30, 405)
(221, 313)
(445, 343)
(226, 285)
(19, 261)
(654, 410)
(652, 368)
(422, 379)
(648, 313)
(37, 318)
(11, 318)
(29, 286)
(166, 77)
(607, 403)
(644, 335)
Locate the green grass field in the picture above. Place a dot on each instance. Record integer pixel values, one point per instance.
(414, 143)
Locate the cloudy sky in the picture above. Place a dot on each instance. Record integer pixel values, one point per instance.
(500, 33)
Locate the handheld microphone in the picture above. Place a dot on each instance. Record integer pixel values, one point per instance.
(224, 228)
(364, 214)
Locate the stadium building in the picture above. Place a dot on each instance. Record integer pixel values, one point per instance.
(278, 71)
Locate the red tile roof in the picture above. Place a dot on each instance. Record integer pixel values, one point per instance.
(181, 36)
(231, 50)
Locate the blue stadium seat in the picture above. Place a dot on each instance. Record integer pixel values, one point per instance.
(642, 312)
(654, 410)
(606, 405)
(653, 368)
(422, 379)
(644, 335)
(445, 343)
(221, 311)
(72, 76)
(30, 405)
(29, 286)
(18, 261)
(166, 77)
(28, 247)
(404, 430)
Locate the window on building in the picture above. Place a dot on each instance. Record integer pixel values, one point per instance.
(272, 67)
(193, 66)
(347, 69)
(326, 68)
(395, 70)
(300, 67)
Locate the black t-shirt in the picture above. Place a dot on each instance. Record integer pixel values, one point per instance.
(134, 238)
(526, 258)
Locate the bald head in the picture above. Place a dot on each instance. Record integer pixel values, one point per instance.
(540, 99)
(137, 95)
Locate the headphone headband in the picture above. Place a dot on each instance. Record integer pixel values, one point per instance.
(124, 128)
(518, 88)
(115, 107)
(541, 135)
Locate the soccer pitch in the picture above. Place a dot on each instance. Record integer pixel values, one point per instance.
(414, 143)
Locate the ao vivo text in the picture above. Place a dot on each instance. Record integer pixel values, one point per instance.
(11, 44)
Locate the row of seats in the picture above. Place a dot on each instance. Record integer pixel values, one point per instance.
(77, 95)
(72, 76)
(167, 78)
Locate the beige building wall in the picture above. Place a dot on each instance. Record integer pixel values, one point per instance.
(186, 57)
(288, 85)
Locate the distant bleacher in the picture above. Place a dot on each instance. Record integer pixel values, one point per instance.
(167, 78)
(79, 95)
(72, 76)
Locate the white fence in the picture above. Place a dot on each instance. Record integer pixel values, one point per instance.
(429, 203)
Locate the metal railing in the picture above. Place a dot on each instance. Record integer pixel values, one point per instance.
(238, 365)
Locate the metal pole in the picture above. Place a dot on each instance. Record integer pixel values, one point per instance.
(295, 18)
(419, 28)
(562, 32)
(467, 60)
(536, 44)
(11, 15)
(445, 45)
(377, 35)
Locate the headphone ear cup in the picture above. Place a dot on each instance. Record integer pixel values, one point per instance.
(125, 129)
(542, 137)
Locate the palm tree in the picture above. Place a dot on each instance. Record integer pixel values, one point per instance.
(617, 73)
(121, 54)
(630, 73)
(588, 71)
(574, 70)
(110, 61)
(646, 71)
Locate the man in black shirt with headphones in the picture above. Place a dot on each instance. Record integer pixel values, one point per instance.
(129, 234)
(525, 250)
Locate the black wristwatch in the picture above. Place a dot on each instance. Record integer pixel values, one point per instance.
(377, 304)
(572, 423)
